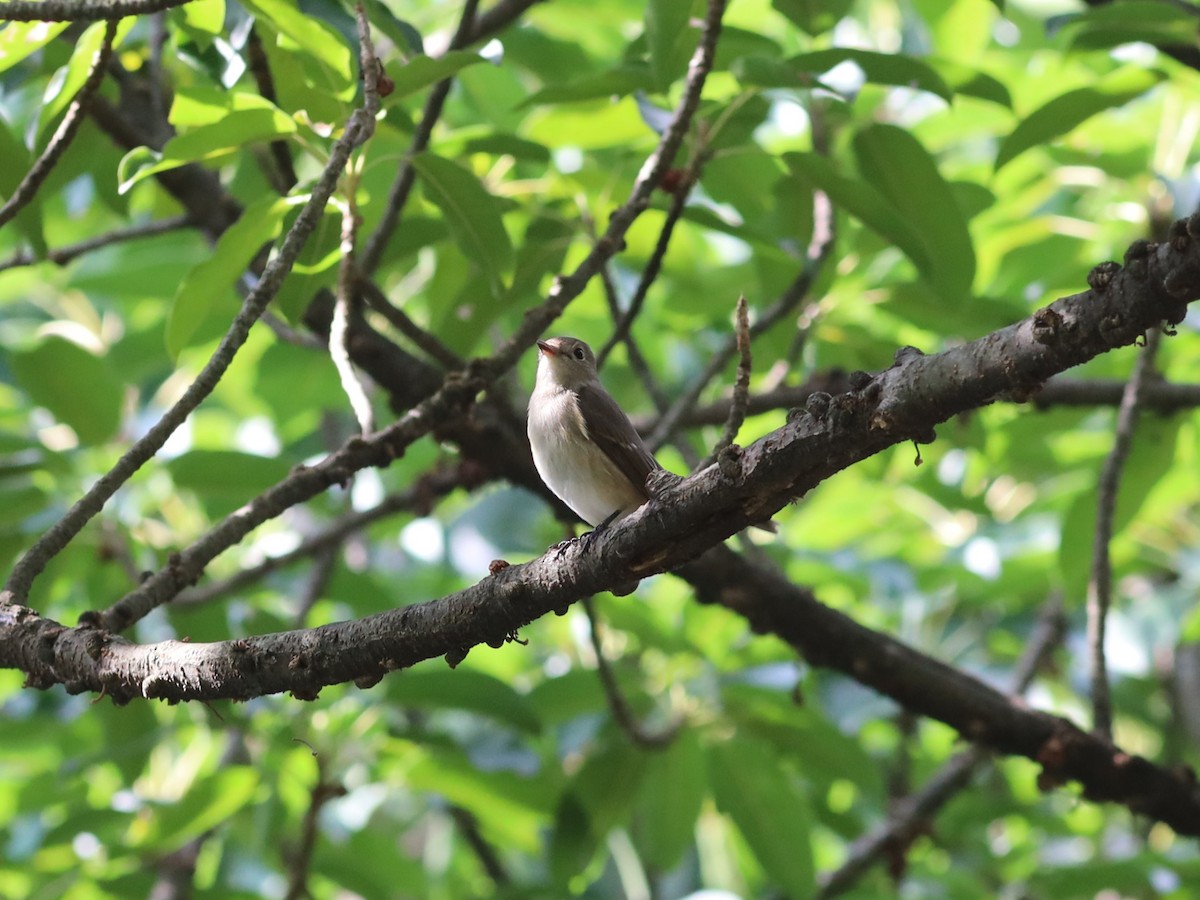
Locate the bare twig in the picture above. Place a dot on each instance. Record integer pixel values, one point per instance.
(418, 498)
(622, 714)
(63, 255)
(1099, 596)
(75, 11)
(818, 251)
(637, 361)
(300, 861)
(360, 127)
(741, 387)
(654, 264)
(407, 176)
(484, 851)
(64, 134)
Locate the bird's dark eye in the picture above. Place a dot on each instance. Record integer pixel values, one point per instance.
(579, 353)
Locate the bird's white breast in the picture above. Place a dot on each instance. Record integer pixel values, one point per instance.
(573, 467)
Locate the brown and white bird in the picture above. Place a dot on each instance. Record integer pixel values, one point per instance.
(584, 447)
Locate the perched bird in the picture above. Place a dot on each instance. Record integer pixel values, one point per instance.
(584, 447)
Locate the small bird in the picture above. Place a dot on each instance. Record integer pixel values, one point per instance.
(584, 447)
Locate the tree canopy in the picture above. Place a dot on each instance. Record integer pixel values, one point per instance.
(911, 280)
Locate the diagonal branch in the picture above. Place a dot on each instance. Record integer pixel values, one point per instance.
(358, 130)
(64, 134)
(75, 11)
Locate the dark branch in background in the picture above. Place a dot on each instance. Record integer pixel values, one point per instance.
(359, 129)
(424, 340)
(741, 387)
(63, 255)
(407, 176)
(300, 860)
(1099, 596)
(689, 517)
(64, 134)
(617, 704)
(637, 361)
(458, 390)
(260, 69)
(909, 818)
(197, 189)
(468, 825)
(818, 251)
(76, 11)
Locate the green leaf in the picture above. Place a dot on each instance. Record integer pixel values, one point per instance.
(320, 43)
(1148, 21)
(813, 16)
(667, 34)
(205, 16)
(619, 82)
(18, 40)
(209, 284)
(1065, 112)
(972, 83)
(17, 162)
(769, 810)
(670, 801)
(472, 214)
(224, 136)
(422, 71)
(208, 802)
(78, 387)
(76, 73)
(863, 202)
(896, 163)
(225, 479)
(464, 689)
(879, 68)
(598, 799)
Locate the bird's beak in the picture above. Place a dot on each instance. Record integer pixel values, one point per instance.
(547, 348)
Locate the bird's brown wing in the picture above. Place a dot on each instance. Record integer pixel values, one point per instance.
(613, 433)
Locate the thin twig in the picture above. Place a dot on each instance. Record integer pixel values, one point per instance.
(360, 127)
(1099, 595)
(64, 134)
(622, 714)
(654, 264)
(419, 498)
(301, 860)
(260, 69)
(407, 176)
(637, 361)
(484, 851)
(741, 386)
(818, 252)
(63, 255)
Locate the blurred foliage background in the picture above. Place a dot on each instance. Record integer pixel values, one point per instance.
(980, 161)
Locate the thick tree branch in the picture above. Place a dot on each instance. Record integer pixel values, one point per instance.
(693, 515)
